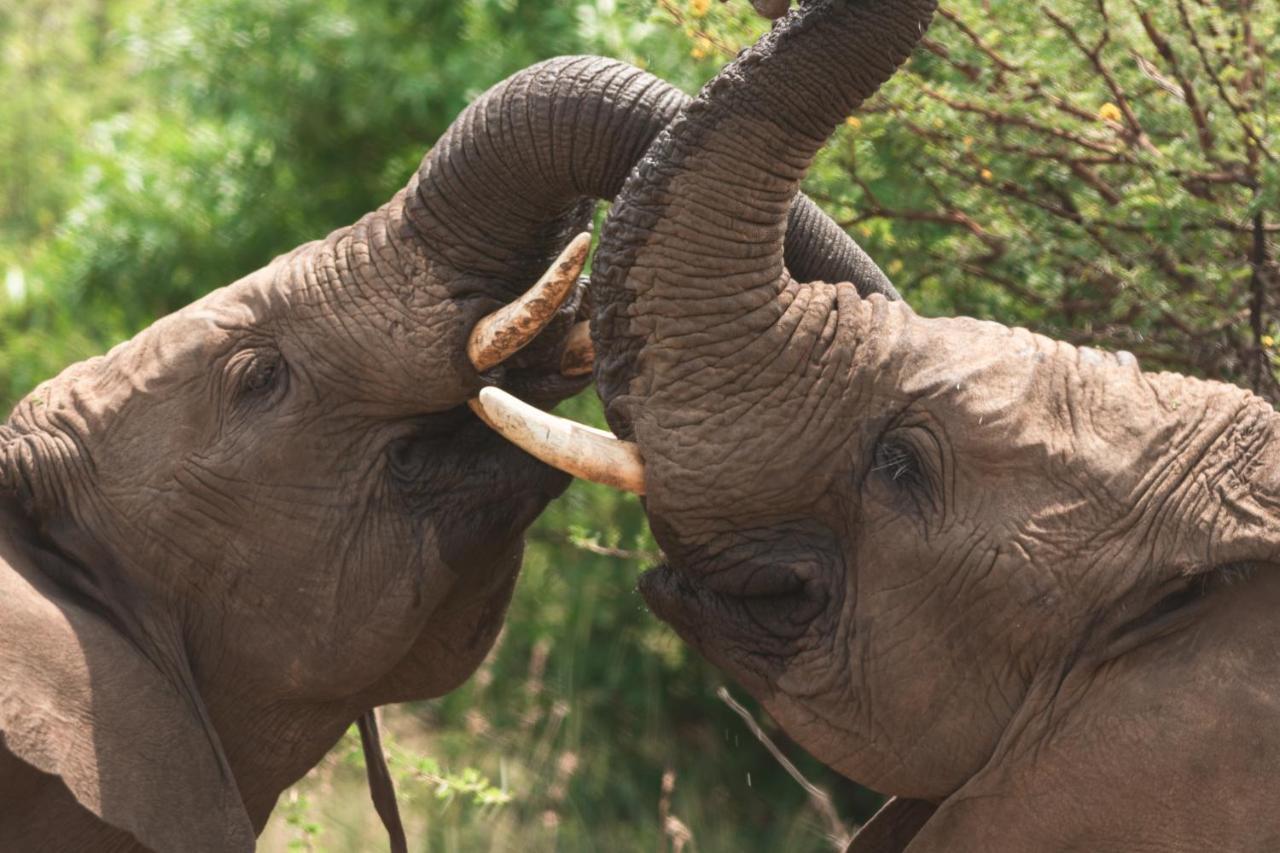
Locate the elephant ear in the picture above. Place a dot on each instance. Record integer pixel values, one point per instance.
(891, 829)
(80, 702)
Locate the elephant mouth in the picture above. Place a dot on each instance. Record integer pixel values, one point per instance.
(542, 388)
(750, 625)
(451, 463)
(525, 473)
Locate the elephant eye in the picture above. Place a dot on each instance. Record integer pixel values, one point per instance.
(897, 461)
(257, 372)
(259, 375)
(904, 472)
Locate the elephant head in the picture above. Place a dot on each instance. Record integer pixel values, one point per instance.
(271, 511)
(957, 562)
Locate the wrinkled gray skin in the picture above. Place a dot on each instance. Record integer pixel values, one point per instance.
(269, 512)
(1027, 588)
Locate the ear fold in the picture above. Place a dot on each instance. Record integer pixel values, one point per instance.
(80, 702)
(891, 829)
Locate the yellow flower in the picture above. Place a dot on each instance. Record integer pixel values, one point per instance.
(1109, 112)
(986, 175)
(853, 122)
(701, 47)
(968, 142)
(895, 266)
(1268, 341)
(699, 7)
(698, 53)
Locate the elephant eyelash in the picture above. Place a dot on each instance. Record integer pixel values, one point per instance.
(257, 372)
(899, 463)
(906, 472)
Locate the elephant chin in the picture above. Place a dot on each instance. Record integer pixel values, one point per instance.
(698, 616)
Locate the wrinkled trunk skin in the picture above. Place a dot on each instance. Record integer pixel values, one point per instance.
(502, 191)
(693, 249)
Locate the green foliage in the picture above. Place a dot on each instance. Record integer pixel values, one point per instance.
(151, 150)
(1097, 170)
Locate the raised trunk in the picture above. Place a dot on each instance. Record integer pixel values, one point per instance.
(693, 249)
(817, 249)
(504, 188)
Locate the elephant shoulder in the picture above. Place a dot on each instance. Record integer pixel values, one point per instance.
(79, 702)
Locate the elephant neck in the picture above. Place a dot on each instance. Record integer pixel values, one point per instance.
(270, 744)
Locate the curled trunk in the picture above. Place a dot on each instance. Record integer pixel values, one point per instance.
(513, 178)
(693, 249)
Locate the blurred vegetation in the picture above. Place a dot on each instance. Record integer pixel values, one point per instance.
(1105, 172)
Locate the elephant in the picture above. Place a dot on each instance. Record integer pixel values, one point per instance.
(273, 510)
(1026, 589)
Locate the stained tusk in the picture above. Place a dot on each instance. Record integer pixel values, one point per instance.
(506, 331)
(590, 454)
(579, 353)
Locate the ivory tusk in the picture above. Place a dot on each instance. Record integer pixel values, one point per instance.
(506, 331)
(579, 353)
(587, 453)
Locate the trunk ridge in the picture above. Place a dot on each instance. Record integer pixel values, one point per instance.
(515, 175)
(693, 248)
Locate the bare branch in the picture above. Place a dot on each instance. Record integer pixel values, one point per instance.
(1204, 133)
(1214, 74)
(837, 832)
(988, 51)
(1094, 55)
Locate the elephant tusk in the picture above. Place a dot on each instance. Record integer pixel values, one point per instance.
(579, 353)
(505, 332)
(587, 453)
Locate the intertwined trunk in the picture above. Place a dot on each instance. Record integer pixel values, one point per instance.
(691, 258)
(514, 177)
(511, 180)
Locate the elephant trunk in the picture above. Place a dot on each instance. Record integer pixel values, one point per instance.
(512, 178)
(692, 251)
(509, 183)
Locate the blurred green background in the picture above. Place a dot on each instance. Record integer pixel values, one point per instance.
(1105, 172)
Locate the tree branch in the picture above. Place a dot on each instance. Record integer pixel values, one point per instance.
(837, 832)
(1204, 133)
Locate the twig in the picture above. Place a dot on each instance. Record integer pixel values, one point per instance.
(679, 17)
(1094, 55)
(820, 799)
(1204, 133)
(1019, 121)
(940, 50)
(638, 554)
(1001, 63)
(1245, 126)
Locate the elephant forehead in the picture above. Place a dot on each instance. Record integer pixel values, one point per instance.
(161, 361)
(1001, 390)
